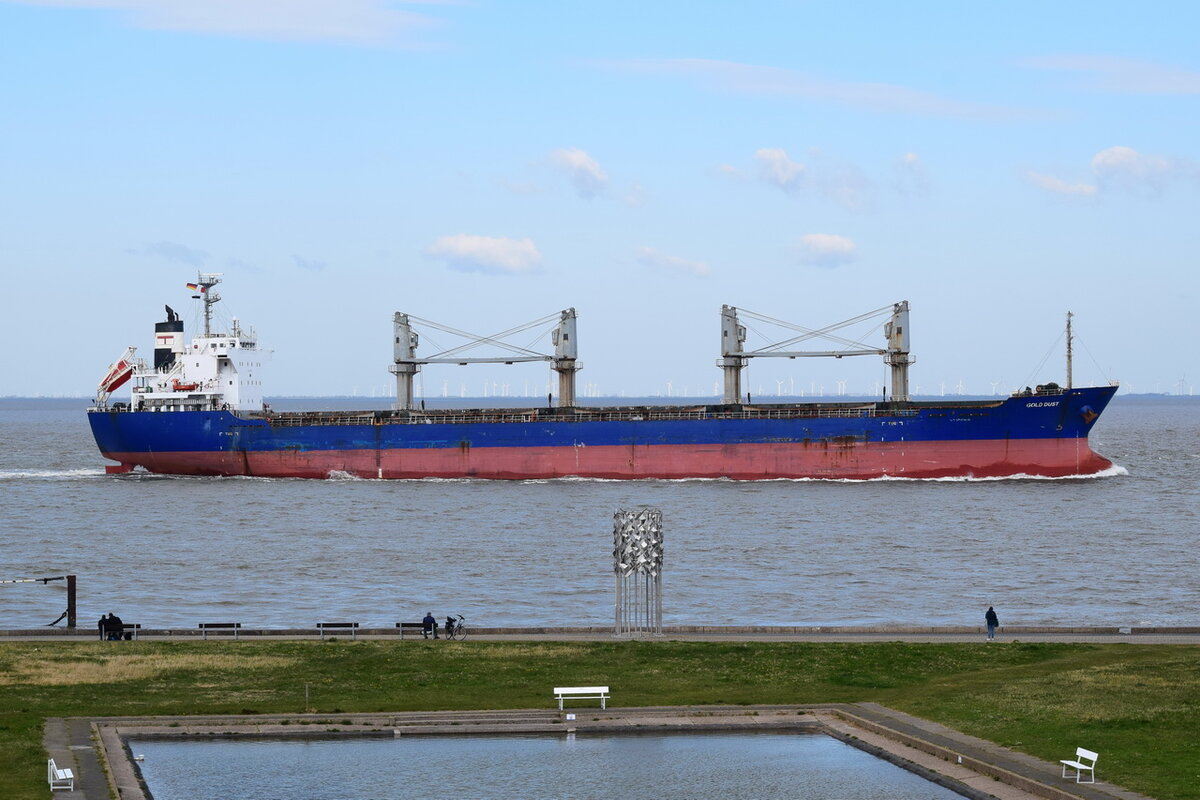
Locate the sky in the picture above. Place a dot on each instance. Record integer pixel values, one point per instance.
(482, 164)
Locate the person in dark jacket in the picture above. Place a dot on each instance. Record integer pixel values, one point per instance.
(102, 626)
(992, 621)
(429, 625)
(113, 626)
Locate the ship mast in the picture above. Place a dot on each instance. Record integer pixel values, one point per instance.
(1069, 315)
(207, 280)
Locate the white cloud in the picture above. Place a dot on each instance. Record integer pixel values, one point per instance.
(353, 21)
(649, 257)
(1124, 75)
(826, 250)
(843, 183)
(774, 81)
(1060, 186)
(778, 169)
(173, 251)
(1128, 169)
(585, 173)
(496, 255)
(1124, 169)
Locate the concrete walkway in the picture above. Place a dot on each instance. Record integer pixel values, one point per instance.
(973, 767)
(686, 633)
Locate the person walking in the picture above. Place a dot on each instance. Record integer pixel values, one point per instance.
(992, 621)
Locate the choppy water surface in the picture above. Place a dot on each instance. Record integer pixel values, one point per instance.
(732, 766)
(167, 551)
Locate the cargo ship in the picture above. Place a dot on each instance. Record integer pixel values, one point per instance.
(198, 409)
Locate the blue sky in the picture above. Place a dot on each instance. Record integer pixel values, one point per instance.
(483, 164)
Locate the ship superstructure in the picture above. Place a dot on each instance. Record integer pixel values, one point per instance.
(218, 370)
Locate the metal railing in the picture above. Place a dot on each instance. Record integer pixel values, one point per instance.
(306, 418)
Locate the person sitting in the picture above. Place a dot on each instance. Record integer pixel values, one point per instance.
(429, 625)
(114, 626)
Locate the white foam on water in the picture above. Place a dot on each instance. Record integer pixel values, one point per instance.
(341, 475)
(1114, 471)
(50, 474)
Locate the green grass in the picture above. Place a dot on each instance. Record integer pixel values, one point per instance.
(1137, 705)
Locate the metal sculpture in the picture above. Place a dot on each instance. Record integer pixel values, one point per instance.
(637, 565)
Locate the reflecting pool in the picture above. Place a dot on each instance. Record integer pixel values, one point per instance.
(728, 766)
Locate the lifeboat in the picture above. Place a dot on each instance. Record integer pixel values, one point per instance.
(119, 373)
(178, 386)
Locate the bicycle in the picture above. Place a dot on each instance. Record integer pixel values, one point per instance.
(456, 628)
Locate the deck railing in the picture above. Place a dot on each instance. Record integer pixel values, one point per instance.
(302, 418)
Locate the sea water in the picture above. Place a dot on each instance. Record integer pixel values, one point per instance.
(1119, 549)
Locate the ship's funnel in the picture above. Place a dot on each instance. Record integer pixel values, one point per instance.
(168, 340)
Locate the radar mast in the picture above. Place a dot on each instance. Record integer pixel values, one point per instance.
(205, 281)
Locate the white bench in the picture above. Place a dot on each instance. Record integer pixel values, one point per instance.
(60, 778)
(581, 693)
(205, 627)
(1079, 765)
(324, 627)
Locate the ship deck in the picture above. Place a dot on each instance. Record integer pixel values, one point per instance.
(612, 414)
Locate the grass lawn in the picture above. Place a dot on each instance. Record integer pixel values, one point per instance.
(1137, 705)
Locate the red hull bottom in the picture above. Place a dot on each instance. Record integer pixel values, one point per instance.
(974, 459)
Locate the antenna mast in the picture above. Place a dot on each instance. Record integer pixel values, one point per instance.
(207, 280)
(1069, 349)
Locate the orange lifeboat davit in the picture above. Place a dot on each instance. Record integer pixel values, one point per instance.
(119, 373)
(117, 377)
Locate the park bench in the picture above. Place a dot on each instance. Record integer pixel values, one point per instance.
(419, 627)
(126, 630)
(205, 627)
(336, 626)
(60, 778)
(581, 693)
(1084, 761)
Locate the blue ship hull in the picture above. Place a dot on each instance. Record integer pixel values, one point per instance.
(1043, 434)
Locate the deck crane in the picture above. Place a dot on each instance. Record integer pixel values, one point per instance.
(734, 356)
(564, 361)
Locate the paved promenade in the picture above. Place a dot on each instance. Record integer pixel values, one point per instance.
(689, 633)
